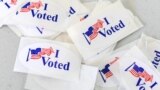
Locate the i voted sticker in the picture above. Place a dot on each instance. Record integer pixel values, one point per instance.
(106, 76)
(8, 7)
(150, 47)
(48, 59)
(137, 72)
(143, 75)
(101, 31)
(41, 13)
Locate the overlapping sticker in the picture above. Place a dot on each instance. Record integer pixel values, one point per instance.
(48, 58)
(87, 81)
(8, 7)
(101, 31)
(137, 72)
(109, 68)
(150, 47)
(40, 13)
(33, 10)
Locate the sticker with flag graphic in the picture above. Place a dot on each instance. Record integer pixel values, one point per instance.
(8, 7)
(93, 30)
(106, 72)
(31, 5)
(137, 71)
(144, 78)
(37, 53)
(8, 4)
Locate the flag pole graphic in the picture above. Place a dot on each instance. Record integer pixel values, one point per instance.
(130, 66)
(28, 55)
(102, 76)
(86, 38)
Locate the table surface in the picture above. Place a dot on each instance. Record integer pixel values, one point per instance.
(147, 10)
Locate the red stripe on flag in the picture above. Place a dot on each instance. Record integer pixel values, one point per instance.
(109, 74)
(35, 56)
(146, 76)
(25, 10)
(93, 36)
(134, 73)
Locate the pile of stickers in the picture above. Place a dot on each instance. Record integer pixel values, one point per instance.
(69, 45)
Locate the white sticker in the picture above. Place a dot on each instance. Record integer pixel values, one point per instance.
(101, 4)
(150, 47)
(63, 37)
(137, 72)
(97, 59)
(90, 5)
(43, 32)
(8, 7)
(33, 31)
(86, 82)
(76, 12)
(41, 13)
(97, 33)
(106, 88)
(105, 77)
(77, 8)
(108, 67)
(48, 58)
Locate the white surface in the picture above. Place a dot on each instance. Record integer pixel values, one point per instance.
(147, 10)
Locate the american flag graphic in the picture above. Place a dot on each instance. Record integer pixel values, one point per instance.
(108, 74)
(146, 76)
(31, 5)
(106, 71)
(134, 71)
(39, 52)
(13, 2)
(93, 30)
(140, 72)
